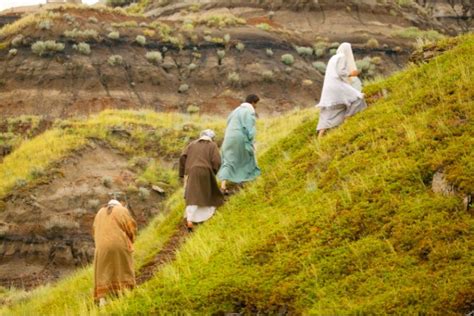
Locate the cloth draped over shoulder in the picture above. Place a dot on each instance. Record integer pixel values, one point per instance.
(336, 90)
(239, 163)
(346, 50)
(114, 232)
(200, 162)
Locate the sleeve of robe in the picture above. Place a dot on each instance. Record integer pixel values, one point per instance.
(182, 162)
(128, 224)
(342, 69)
(215, 158)
(248, 122)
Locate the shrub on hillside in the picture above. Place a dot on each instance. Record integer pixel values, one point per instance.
(114, 35)
(233, 78)
(226, 38)
(85, 34)
(192, 109)
(154, 57)
(83, 48)
(92, 19)
(115, 60)
(60, 222)
(12, 52)
(269, 52)
(44, 25)
(304, 51)
(264, 26)
(192, 66)
(69, 18)
(17, 40)
(288, 59)
(267, 75)
(183, 88)
(372, 43)
(320, 66)
(40, 48)
(140, 39)
(415, 33)
(240, 47)
(320, 52)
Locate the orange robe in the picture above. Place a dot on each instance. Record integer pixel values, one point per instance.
(114, 234)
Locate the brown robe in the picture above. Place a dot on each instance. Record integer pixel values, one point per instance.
(200, 161)
(114, 233)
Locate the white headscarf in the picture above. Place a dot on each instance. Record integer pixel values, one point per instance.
(346, 50)
(207, 134)
(113, 203)
(335, 90)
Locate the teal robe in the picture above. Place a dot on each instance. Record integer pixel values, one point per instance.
(239, 163)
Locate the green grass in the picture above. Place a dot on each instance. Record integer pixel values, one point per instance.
(345, 225)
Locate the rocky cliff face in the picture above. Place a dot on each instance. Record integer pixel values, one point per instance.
(211, 55)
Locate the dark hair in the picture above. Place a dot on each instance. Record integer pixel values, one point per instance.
(252, 98)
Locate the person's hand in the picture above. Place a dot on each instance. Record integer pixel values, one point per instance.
(354, 73)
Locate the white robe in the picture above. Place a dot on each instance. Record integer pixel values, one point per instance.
(198, 214)
(336, 90)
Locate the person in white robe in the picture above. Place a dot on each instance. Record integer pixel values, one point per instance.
(352, 78)
(339, 100)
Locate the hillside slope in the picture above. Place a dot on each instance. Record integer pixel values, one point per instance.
(346, 225)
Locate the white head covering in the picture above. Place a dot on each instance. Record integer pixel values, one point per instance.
(113, 203)
(335, 90)
(346, 50)
(207, 134)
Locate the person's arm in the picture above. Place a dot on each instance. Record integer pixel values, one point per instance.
(342, 69)
(248, 123)
(128, 224)
(182, 163)
(215, 158)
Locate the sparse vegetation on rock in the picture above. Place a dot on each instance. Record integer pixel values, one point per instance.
(192, 109)
(44, 25)
(240, 46)
(183, 88)
(320, 66)
(288, 59)
(12, 52)
(17, 40)
(304, 51)
(140, 39)
(234, 78)
(41, 48)
(154, 57)
(85, 34)
(83, 48)
(372, 43)
(114, 35)
(115, 60)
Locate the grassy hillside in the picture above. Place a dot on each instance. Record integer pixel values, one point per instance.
(345, 225)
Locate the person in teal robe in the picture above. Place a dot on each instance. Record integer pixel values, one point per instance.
(239, 163)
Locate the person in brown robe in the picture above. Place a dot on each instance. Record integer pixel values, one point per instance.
(198, 165)
(114, 232)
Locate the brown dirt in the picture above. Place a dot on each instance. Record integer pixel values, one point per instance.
(167, 254)
(46, 229)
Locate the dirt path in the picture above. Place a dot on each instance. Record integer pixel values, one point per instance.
(167, 254)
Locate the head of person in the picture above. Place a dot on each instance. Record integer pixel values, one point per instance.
(208, 133)
(252, 99)
(119, 200)
(346, 50)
